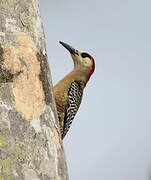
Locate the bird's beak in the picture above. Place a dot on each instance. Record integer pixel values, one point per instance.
(68, 47)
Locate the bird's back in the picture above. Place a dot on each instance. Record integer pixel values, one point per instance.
(68, 95)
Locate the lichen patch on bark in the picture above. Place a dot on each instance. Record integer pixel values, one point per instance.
(27, 88)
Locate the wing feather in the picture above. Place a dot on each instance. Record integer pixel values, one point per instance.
(75, 96)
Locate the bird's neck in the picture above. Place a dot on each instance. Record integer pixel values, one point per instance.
(81, 75)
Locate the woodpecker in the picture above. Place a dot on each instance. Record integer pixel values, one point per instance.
(68, 91)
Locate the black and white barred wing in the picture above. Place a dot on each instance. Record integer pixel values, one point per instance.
(75, 96)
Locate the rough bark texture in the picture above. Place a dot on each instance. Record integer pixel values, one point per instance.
(30, 144)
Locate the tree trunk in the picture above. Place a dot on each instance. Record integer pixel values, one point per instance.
(30, 144)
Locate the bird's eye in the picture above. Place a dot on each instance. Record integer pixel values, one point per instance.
(84, 55)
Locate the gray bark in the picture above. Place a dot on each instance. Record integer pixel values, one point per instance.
(30, 144)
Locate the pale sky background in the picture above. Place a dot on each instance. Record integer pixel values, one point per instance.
(110, 138)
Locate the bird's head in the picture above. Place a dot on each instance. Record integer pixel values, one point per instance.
(83, 62)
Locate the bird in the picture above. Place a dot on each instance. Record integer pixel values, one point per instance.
(68, 91)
